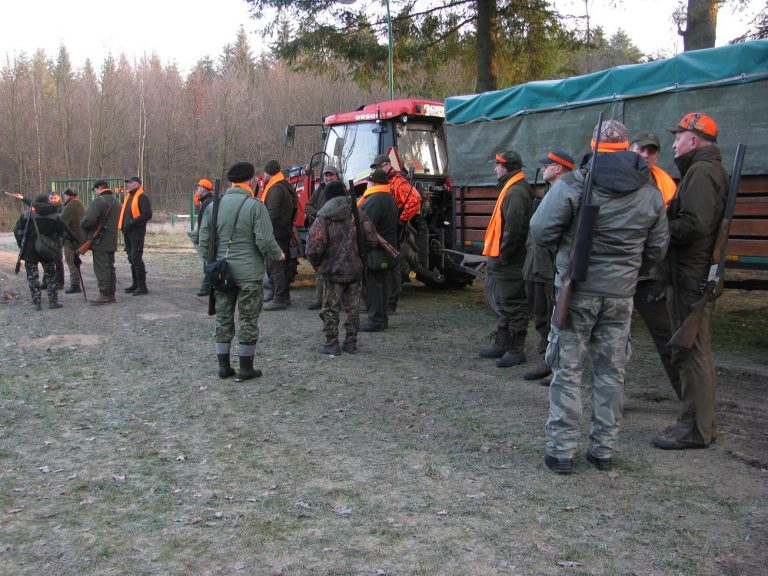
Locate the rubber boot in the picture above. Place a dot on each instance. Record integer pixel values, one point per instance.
(225, 369)
(141, 287)
(500, 342)
(515, 354)
(134, 282)
(247, 371)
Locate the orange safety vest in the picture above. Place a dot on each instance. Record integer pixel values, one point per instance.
(664, 183)
(373, 190)
(495, 230)
(134, 202)
(272, 181)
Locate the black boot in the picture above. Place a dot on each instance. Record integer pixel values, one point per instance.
(331, 346)
(225, 369)
(134, 283)
(515, 354)
(247, 371)
(141, 287)
(500, 342)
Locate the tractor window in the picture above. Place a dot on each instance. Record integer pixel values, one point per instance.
(422, 146)
(352, 148)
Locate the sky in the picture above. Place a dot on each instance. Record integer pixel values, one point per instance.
(183, 31)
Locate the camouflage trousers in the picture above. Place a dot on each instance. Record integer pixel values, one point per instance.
(248, 301)
(49, 281)
(598, 329)
(337, 297)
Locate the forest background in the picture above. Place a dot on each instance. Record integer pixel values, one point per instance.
(147, 118)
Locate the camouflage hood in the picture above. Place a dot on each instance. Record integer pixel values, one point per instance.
(337, 209)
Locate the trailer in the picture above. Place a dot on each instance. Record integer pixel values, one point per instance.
(728, 83)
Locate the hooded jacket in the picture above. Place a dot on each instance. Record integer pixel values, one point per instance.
(631, 224)
(48, 223)
(694, 215)
(332, 246)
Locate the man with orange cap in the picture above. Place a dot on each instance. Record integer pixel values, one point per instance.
(134, 215)
(204, 196)
(694, 214)
(631, 228)
(505, 248)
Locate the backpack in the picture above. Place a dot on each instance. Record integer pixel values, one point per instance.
(47, 248)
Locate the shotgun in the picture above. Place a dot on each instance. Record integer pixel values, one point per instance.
(684, 337)
(583, 234)
(212, 241)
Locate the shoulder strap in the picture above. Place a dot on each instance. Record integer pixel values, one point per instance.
(237, 216)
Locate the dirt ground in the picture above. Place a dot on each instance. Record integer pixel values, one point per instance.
(121, 452)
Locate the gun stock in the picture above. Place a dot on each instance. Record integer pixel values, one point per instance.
(684, 337)
(584, 232)
(213, 241)
(388, 248)
(94, 239)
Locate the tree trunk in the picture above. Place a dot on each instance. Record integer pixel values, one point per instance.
(486, 46)
(701, 24)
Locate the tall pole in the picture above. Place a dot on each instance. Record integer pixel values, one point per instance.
(389, 34)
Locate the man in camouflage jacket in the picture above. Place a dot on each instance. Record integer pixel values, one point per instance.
(333, 249)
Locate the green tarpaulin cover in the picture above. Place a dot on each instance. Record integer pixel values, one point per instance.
(728, 83)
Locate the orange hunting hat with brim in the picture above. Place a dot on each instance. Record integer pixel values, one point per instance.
(698, 123)
(205, 183)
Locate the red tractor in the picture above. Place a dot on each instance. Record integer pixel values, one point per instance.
(412, 133)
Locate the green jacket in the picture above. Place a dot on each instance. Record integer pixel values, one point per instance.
(281, 205)
(71, 215)
(516, 211)
(252, 242)
(96, 214)
(694, 216)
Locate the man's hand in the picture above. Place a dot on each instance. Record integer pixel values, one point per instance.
(281, 257)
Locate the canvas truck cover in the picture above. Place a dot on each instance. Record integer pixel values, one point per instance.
(730, 84)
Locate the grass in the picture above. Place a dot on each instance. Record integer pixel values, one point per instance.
(413, 457)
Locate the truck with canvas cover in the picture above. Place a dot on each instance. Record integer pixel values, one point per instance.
(728, 83)
(411, 133)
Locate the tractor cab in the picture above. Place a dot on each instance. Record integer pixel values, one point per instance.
(411, 132)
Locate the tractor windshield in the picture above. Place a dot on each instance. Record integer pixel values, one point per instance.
(422, 146)
(352, 148)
